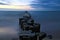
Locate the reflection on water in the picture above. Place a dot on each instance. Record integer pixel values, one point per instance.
(50, 21)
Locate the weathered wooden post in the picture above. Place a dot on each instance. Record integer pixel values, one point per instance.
(27, 24)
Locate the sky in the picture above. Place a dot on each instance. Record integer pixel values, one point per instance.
(16, 4)
(38, 5)
(47, 4)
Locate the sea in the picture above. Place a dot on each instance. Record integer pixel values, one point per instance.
(49, 23)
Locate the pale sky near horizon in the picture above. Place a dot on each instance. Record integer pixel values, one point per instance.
(31, 4)
(16, 4)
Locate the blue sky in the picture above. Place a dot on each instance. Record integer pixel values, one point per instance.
(42, 5)
(47, 4)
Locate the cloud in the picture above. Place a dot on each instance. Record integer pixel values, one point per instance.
(46, 4)
(17, 2)
(15, 5)
(2, 4)
(37, 5)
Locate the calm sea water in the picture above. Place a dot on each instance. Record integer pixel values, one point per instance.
(49, 20)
